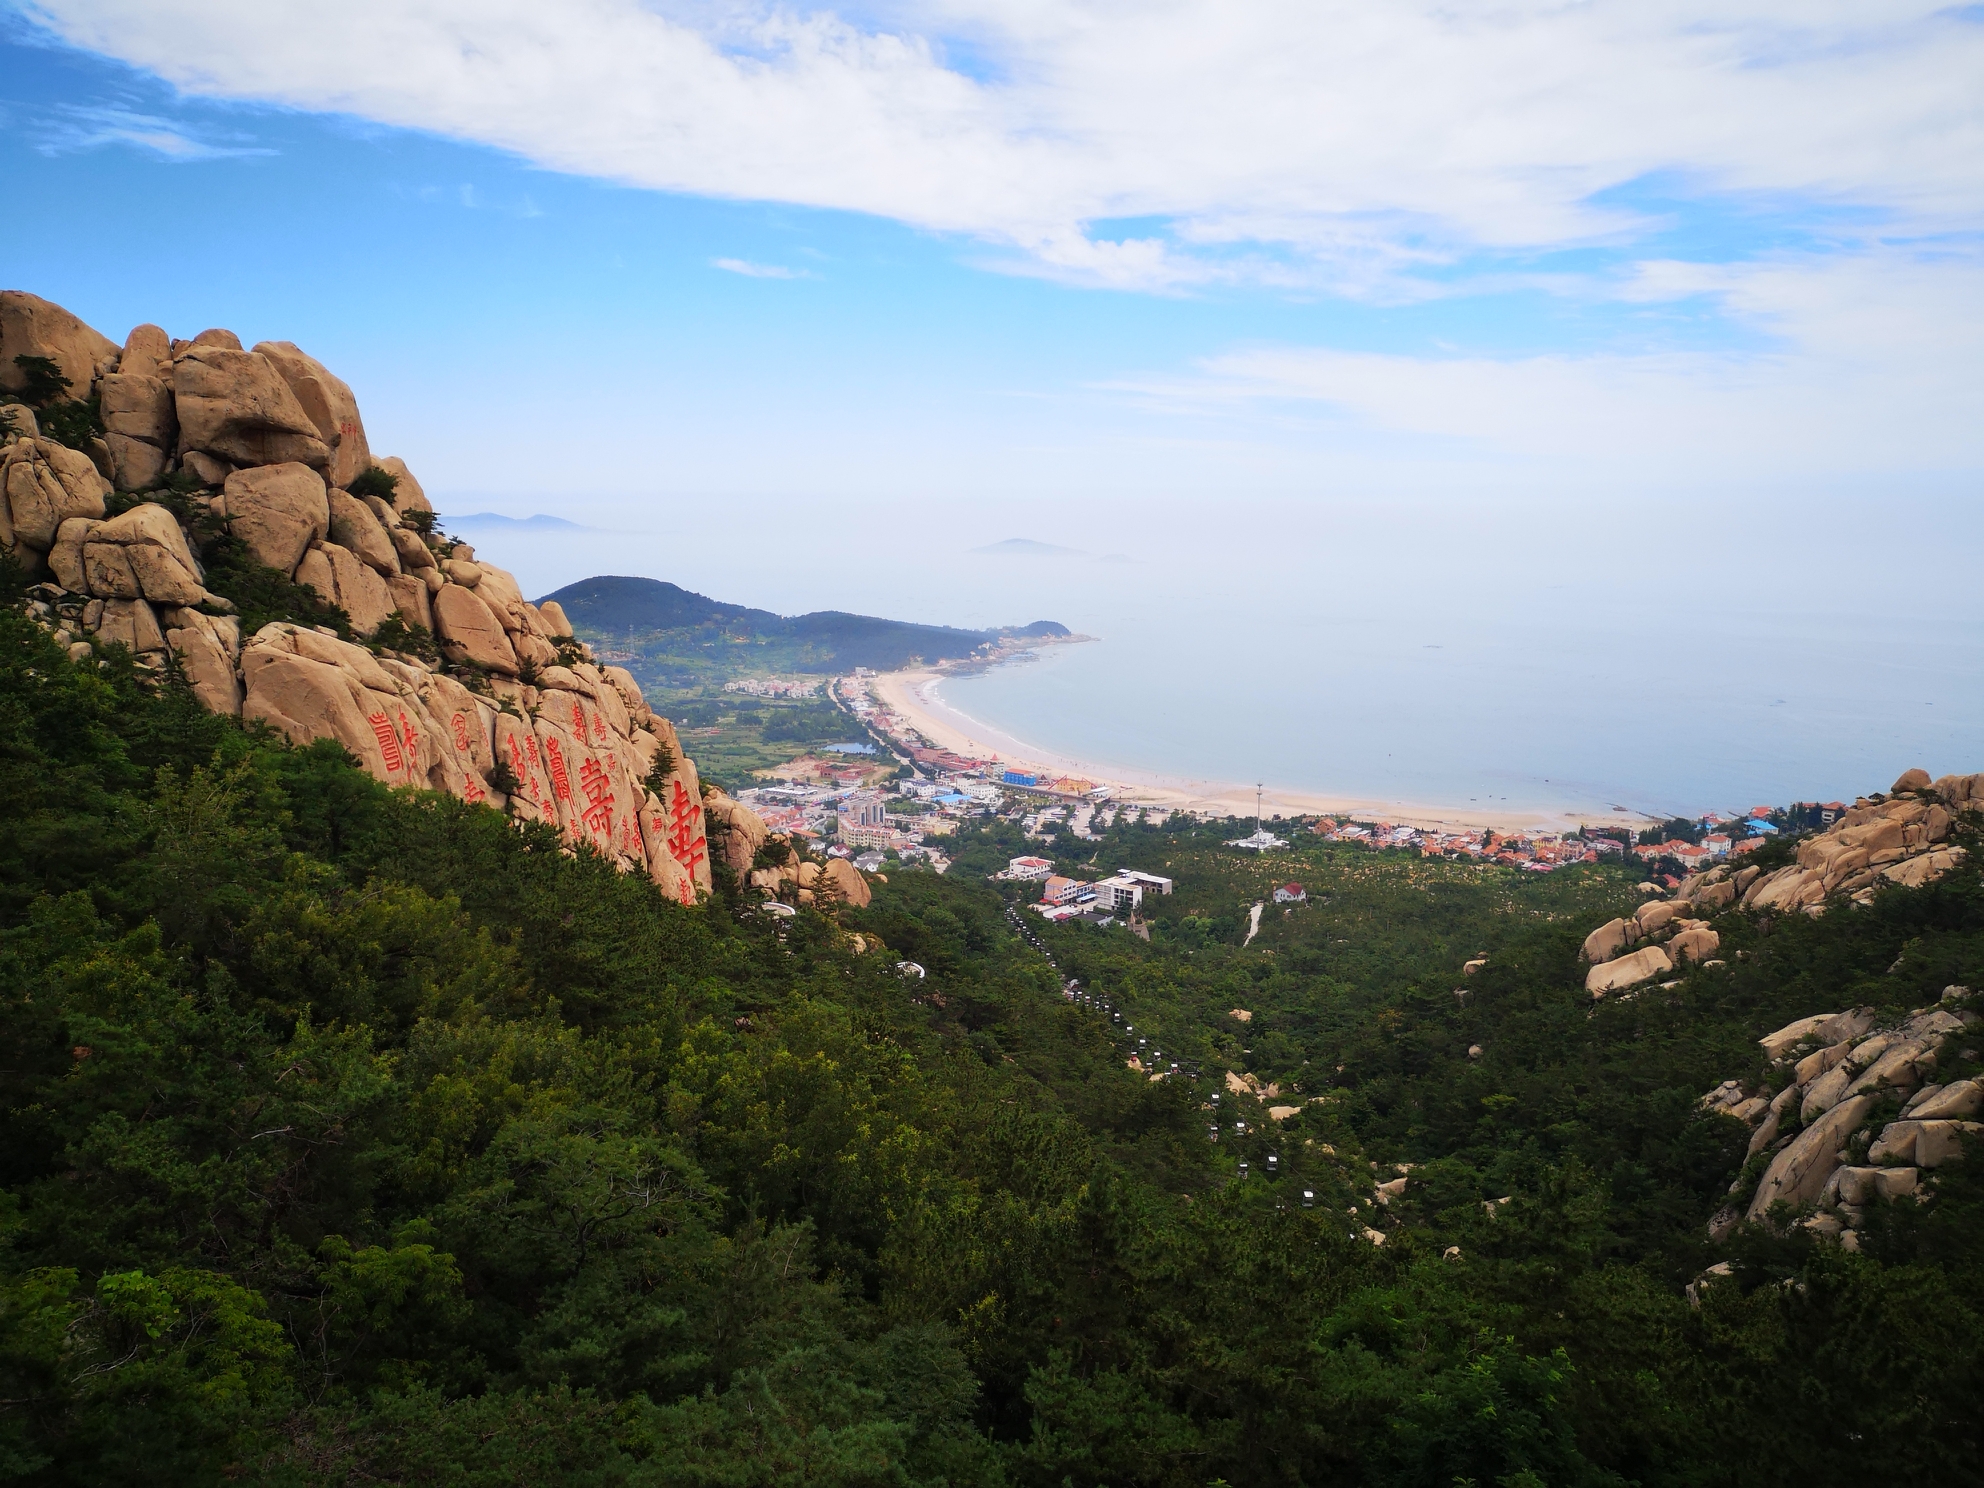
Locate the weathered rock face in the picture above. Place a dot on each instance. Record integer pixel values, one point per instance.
(845, 882)
(337, 575)
(1799, 1173)
(236, 406)
(354, 526)
(328, 403)
(470, 631)
(140, 406)
(278, 511)
(1609, 939)
(135, 465)
(32, 326)
(1844, 1069)
(46, 484)
(407, 495)
(1628, 971)
(578, 749)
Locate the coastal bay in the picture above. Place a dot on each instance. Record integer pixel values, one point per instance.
(917, 696)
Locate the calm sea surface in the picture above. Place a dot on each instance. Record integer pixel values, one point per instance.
(1667, 657)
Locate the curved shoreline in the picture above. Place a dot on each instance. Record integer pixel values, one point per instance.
(912, 694)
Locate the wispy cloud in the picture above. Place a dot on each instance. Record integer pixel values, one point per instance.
(751, 270)
(72, 128)
(1869, 363)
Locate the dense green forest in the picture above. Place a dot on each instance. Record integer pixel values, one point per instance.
(355, 1136)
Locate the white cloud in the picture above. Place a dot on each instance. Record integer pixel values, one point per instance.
(1336, 135)
(1875, 366)
(751, 270)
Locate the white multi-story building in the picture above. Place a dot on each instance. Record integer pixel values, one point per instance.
(1025, 868)
(1119, 893)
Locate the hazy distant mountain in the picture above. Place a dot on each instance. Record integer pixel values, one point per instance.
(538, 523)
(1026, 547)
(658, 618)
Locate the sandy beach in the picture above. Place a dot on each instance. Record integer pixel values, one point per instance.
(916, 696)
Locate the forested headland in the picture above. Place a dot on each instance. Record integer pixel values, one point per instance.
(356, 1135)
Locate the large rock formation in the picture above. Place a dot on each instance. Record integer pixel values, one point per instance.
(1831, 1149)
(1901, 838)
(31, 326)
(261, 447)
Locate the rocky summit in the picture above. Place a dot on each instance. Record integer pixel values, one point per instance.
(204, 477)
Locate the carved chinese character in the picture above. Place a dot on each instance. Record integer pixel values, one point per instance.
(598, 815)
(686, 842)
(561, 780)
(389, 742)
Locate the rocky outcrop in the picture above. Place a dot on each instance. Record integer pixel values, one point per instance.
(1832, 1131)
(1900, 839)
(1628, 971)
(46, 484)
(515, 715)
(278, 510)
(32, 326)
(329, 405)
(235, 406)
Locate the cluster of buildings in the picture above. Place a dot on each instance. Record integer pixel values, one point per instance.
(1063, 898)
(1539, 852)
(775, 687)
(1714, 837)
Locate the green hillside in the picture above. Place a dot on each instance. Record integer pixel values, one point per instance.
(672, 638)
(350, 1136)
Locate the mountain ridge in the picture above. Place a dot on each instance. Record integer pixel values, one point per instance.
(616, 606)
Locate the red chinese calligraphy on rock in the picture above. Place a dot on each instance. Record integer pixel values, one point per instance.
(461, 732)
(594, 782)
(686, 842)
(389, 743)
(472, 791)
(561, 779)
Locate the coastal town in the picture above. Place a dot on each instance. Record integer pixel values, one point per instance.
(893, 795)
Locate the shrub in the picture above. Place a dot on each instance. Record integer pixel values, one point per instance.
(373, 481)
(397, 633)
(42, 381)
(262, 595)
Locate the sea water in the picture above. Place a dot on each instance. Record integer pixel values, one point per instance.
(1669, 657)
(1519, 669)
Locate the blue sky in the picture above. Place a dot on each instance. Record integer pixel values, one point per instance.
(971, 264)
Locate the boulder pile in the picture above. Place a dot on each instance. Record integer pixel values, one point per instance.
(1901, 838)
(471, 689)
(1858, 1112)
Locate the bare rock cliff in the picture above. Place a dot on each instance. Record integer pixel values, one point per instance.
(451, 680)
